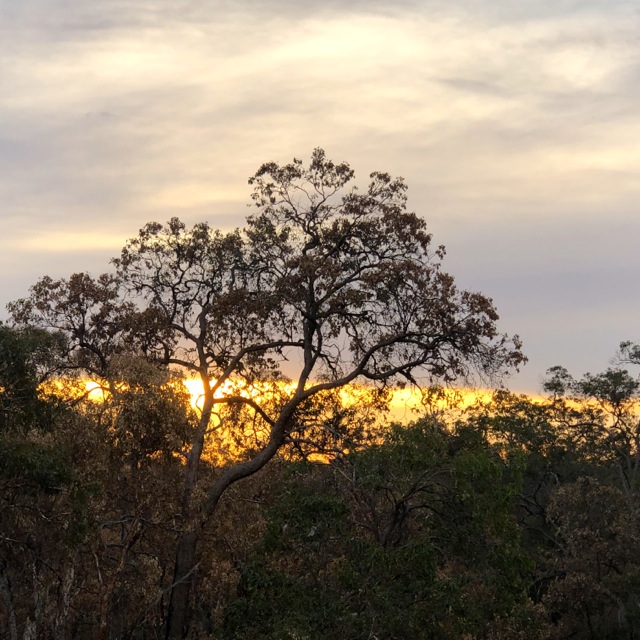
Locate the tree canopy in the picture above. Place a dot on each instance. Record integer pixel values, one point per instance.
(326, 286)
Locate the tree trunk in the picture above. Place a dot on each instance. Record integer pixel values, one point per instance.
(5, 587)
(177, 618)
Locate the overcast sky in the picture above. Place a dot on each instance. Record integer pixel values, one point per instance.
(516, 124)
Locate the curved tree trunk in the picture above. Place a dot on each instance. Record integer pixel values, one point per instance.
(185, 566)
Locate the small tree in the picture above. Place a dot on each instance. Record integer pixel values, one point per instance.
(604, 418)
(325, 287)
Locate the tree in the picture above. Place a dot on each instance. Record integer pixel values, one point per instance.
(325, 287)
(598, 575)
(606, 421)
(88, 491)
(414, 537)
(26, 360)
(580, 454)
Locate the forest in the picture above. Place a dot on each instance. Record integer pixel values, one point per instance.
(284, 502)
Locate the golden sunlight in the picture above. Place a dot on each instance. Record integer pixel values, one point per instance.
(404, 404)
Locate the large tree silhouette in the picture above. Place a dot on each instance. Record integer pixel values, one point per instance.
(325, 286)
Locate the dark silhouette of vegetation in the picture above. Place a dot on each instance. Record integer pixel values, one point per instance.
(344, 284)
(123, 514)
(513, 519)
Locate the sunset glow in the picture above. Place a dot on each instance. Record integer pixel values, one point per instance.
(323, 210)
(404, 405)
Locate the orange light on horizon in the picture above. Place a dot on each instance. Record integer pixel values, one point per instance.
(404, 404)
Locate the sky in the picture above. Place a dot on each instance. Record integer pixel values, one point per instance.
(516, 125)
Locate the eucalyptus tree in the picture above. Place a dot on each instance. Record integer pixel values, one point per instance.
(326, 286)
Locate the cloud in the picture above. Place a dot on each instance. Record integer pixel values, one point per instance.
(65, 242)
(504, 117)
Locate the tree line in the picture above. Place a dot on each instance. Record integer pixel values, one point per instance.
(286, 513)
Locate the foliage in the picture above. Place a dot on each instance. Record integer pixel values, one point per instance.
(411, 538)
(85, 513)
(517, 520)
(325, 286)
(27, 358)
